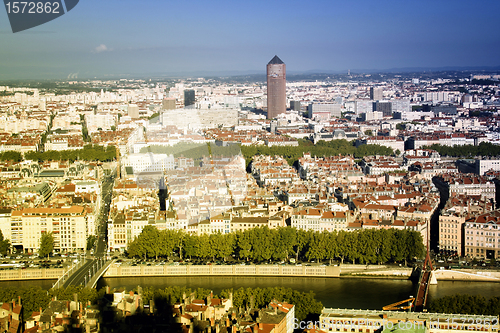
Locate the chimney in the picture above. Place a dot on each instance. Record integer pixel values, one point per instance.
(19, 300)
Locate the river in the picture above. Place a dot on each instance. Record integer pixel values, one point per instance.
(355, 293)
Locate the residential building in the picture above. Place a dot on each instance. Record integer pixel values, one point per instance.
(450, 233)
(68, 226)
(482, 236)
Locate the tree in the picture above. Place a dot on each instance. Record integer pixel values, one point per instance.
(401, 126)
(317, 247)
(90, 242)
(150, 238)
(369, 132)
(11, 156)
(244, 244)
(4, 244)
(46, 244)
(189, 245)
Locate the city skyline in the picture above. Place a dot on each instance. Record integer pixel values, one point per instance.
(99, 39)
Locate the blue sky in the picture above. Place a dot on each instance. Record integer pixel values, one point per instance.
(160, 37)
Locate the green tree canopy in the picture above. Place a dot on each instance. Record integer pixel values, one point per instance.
(4, 244)
(264, 244)
(46, 244)
(91, 239)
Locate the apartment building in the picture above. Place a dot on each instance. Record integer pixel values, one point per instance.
(450, 233)
(371, 321)
(68, 226)
(482, 236)
(470, 185)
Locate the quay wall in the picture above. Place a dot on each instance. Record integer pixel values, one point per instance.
(376, 271)
(348, 270)
(228, 270)
(31, 274)
(467, 275)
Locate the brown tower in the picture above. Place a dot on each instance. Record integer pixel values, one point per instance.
(276, 87)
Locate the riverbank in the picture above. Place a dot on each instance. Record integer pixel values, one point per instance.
(375, 271)
(123, 270)
(31, 274)
(388, 272)
(472, 275)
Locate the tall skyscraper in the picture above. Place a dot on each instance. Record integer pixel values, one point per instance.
(189, 97)
(276, 87)
(295, 105)
(168, 104)
(376, 93)
(133, 111)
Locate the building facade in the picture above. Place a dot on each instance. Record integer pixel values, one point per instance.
(276, 87)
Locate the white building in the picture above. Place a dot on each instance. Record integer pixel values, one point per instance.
(149, 162)
(483, 166)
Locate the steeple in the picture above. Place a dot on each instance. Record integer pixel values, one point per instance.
(163, 194)
(275, 61)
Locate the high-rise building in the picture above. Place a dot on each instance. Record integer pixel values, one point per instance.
(276, 87)
(133, 111)
(168, 103)
(376, 93)
(295, 105)
(189, 97)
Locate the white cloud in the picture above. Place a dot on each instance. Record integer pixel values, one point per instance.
(102, 48)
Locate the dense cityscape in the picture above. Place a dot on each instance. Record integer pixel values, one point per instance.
(250, 166)
(309, 174)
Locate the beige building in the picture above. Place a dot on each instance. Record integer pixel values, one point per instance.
(450, 233)
(68, 226)
(482, 236)
(371, 321)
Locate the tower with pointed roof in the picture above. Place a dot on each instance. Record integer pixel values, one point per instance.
(276, 87)
(163, 194)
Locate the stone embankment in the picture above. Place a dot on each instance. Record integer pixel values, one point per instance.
(31, 274)
(375, 271)
(392, 272)
(117, 270)
(467, 275)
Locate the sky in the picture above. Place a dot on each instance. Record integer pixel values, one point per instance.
(106, 38)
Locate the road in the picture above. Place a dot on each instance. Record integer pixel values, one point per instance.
(97, 257)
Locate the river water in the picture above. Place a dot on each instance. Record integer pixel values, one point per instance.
(353, 293)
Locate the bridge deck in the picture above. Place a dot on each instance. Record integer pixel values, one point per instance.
(423, 288)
